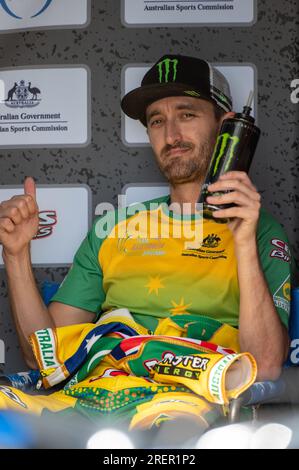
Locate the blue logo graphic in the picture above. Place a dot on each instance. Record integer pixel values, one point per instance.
(3, 4)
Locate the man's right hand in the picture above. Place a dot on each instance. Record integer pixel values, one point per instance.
(19, 220)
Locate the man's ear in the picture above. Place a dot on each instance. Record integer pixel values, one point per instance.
(228, 115)
(231, 114)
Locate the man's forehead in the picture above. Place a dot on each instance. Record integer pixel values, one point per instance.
(178, 102)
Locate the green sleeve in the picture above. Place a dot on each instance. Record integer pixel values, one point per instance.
(82, 287)
(276, 261)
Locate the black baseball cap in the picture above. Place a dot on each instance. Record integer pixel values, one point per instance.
(178, 75)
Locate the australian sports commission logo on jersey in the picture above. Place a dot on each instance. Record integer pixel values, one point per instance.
(211, 241)
(207, 248)
(22, 95)
(15, 12)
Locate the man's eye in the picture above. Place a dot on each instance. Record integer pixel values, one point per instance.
(188, 115)
(155, 122)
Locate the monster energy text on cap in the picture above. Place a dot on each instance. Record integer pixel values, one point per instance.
(178, 75)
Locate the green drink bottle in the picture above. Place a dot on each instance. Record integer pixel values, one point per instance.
(234, 150)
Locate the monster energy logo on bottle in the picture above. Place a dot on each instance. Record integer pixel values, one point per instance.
(165, 67)
(223, 141)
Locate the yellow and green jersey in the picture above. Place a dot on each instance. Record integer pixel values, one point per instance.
(144, 260)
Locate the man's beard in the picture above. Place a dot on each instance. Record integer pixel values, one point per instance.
(183, 168)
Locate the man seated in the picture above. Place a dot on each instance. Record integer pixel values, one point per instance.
(232, 276)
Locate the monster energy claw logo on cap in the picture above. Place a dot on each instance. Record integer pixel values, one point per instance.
(167, 68)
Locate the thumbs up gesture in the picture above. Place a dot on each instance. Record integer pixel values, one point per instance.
(19, 220)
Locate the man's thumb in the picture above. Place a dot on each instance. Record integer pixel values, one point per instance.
(29, 187)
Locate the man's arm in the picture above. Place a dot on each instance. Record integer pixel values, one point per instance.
(29, 311)
(260, 329)
(18, 225)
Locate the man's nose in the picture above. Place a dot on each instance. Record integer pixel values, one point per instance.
(172, 132)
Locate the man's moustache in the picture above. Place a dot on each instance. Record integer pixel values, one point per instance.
(179, 145)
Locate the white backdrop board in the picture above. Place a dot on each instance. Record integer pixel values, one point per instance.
(65, 217)
(48, 106)
(188, 12)
(16, 15)
(139, 192)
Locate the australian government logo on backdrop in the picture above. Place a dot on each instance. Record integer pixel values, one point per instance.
(184, 12)
(22, 95)
(28, 14)
(47, 106)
